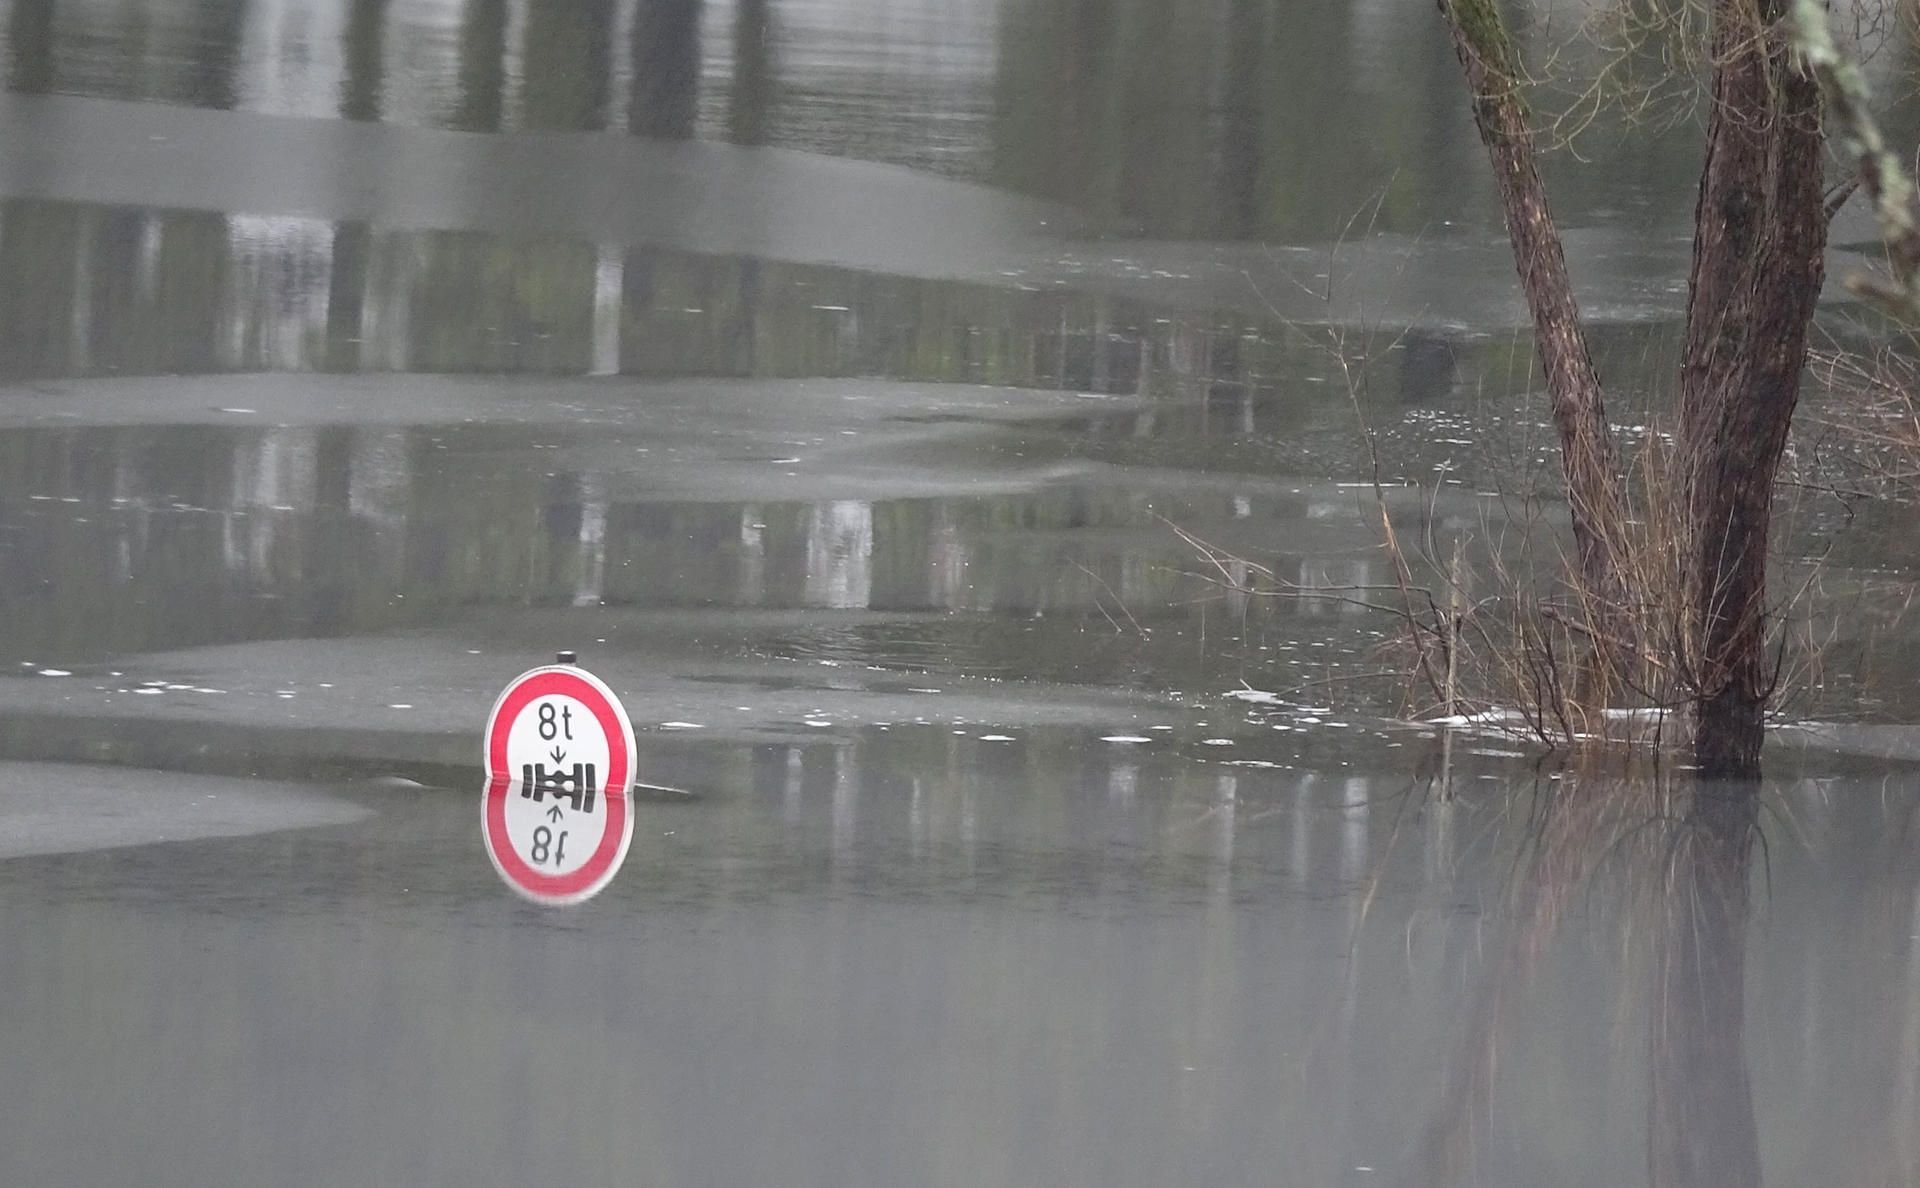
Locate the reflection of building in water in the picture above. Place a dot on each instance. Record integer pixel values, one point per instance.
(382, 469)
(146, 268)
(1300, 833)
(840, 555)
(1356, 808)
(387, 524)
(192, 534)
(948, 584)
(609, 284)
(278, 293)
(386, 322)
(1226, 799)
(486, 65)
(590, 586)
(793, 786)
(752, 587)
(1338, 582)
(846, 800)
(1239, 585)
(98, 290)
(273, 474)
(291, 58)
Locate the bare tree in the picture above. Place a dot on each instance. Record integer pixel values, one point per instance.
(1579, 409)
(1758, 259)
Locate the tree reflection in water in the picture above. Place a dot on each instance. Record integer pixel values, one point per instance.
(1667, 861)
(1700, 1126)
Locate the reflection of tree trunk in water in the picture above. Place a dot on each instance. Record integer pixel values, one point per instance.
(752, 95)
(483, 66)
(30, 46)
(1903, 1113)
(364, 44)
(1701, 1127)
(1700, 1124)
(666, 69)
(346, 295)
(1574, 829)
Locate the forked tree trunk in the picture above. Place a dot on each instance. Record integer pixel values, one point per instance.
(1758, 260)
(1758, 257)
(1573, 387)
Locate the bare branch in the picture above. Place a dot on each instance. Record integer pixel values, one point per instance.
(1878, 168)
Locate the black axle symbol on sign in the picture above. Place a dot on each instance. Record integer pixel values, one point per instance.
(576, 785)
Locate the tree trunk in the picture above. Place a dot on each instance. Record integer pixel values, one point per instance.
(1758, 260)
(1579, 411)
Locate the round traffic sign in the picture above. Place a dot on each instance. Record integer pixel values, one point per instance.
(556, 813)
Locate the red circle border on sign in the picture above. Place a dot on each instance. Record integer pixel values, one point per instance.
(600, 865)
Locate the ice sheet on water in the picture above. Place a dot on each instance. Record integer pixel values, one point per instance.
(1490, 717)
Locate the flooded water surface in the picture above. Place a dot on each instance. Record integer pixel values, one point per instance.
(855, 386)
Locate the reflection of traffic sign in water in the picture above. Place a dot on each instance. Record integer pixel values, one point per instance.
(556, 813)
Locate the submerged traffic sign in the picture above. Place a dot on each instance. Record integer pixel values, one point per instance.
(556, 813)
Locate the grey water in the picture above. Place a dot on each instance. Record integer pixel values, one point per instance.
(833, 377)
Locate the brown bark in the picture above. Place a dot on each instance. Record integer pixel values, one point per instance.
(1758, 261)
(1573, 387)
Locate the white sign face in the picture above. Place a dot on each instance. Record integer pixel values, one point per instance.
(556, 814)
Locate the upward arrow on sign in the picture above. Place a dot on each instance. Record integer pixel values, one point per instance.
(554, 813)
